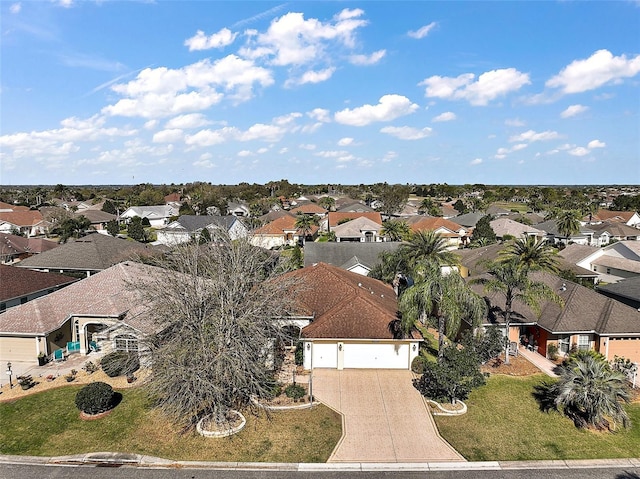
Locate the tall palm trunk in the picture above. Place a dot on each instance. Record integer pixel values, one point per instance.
(507, 324)
(442, 323)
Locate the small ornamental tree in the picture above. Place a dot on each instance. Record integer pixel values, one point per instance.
(120, 363)
(135, 230)
(95, 398)
(113, 228)
(483, 233)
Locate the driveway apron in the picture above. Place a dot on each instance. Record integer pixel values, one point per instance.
(385, 417)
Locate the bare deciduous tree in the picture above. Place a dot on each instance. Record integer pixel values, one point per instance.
(217, 308)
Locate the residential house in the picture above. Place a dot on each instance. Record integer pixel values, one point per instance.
(359, 258)
(335, 218)
(174, 198)
(18, 285)
(87, 255)
(614, 262)
(348, 320)
(468, 220)
(14, 248)
(584, 236)
(157, 215)
(505, 227)
(454, 234)
(497, 211)
(103, 311)
(97, 218)
(20, 219)
(310, 209)
(610, 231)
(629, 218)
(187, 227)
(626, 291)
(238, 209)
(448, 211)
(587, 320)
(362, 230)
(281, 232)
(347, 205)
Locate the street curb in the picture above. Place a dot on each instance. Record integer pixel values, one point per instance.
(136, 460)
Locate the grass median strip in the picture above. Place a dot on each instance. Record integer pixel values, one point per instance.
(48, 424)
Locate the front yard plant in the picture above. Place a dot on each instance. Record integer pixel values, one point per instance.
(95, 398)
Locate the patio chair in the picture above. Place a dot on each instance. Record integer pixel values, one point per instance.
(58, 355)
(93, 347)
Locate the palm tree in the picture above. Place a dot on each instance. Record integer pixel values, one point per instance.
(395, 230)
(427, 249)
(447, 298)
(532, 254)
(510, 280)
(591, 393)
(568, 222)
(305, 223)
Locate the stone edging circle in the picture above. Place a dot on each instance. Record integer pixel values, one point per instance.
(446, 412)
(306, 405)
(225, 433)
(92, 417)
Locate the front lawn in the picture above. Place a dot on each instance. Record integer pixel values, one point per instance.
(504, 423)
(48, 424)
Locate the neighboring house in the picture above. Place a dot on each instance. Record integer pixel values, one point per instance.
(274, 215)
(497, 211)
(347, 205)
(586, 321)
(626, 291)
(86, 255)
(97, 218)
(187, 227)
(609, 231)
(157, 215)
(629, 218)
(310, 209)
(361, 230)
(454, 234)
(356, 257)
(505, 227)
(614, 262)
(14, 248)
(18, 285)
(281, 232)
(468, 220)
(173, 198)
(334, 218)
(348, 318)
(448, 211)
(21, 219)
(584, 236)
(238, 209)
(103, 309)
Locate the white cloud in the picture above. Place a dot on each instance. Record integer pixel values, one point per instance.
(579, 151)
(332, 154)
(308, 147)
(503, 152)
(489, 86)
(406, 132)
(217, 40)
(311, 76)
(422, 31)
(573, 110)
(388, 108)
(446, 116)
(168, 136)
(191, 120)
(599, 69)
(596, 144)
(208, 137)
(151, 124)
(320, 114)
(15, 7)
(345, 141)
(372, 59)
(204, 163)
(245, 153)
(514, 122)
(519, 146)
(532, 136)
(389, 156)
(477, 161)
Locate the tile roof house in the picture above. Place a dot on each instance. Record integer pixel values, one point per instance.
(630, 218)
(355, 257)
(19, 285)
(22, 219)
(310, 209)
(187, 227)
(506, 227)
(157, 215)
(587, 320)
(349, 317)
(15, 248)
(280, 232)
(454, 234)
(101, 309)
(87, 255)
(360, 229)
(337, 217)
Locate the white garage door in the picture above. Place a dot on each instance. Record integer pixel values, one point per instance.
(378, 355)
(325, 355)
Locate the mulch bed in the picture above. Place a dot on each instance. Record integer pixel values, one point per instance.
(518, 366)
(284, 400)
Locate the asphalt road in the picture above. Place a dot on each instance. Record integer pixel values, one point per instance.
(23, 471)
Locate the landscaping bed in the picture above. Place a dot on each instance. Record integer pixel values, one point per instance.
(518, 366)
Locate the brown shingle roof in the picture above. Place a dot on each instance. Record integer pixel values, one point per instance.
(18, 282)
(345, 305)
(16, 245)
(21, 217)
(607, 215)
(336, 216)
(310, 208)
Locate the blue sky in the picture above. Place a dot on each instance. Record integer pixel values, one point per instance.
(114, 92)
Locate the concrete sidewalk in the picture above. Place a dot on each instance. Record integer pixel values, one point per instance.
(384, 417)
(539, 361)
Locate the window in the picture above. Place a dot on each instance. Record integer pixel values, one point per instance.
(126, 342)
(563, 344)
(583, 342)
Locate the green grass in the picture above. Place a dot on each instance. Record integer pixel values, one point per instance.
(48, 424)
(429, 347)
(510, 205)
(504, 423)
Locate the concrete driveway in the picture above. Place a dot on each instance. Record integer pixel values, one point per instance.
(384, 417)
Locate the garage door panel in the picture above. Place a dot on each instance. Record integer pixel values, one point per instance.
(325, 355)
(379, 355)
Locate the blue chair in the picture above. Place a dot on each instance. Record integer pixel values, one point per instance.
(58, 355)
(93, 346)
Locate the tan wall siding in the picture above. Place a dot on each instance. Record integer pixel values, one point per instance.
(18, 349)
(626, 347)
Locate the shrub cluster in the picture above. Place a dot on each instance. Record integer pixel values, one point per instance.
(299, 354)
(120, 363)
(419, 364)
(95, 398)
(294, 391)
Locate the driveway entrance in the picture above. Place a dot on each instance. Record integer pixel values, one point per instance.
(385, 418)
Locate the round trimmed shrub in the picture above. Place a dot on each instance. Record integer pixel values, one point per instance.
(294, 391)
(419, 364)
(120, 363)
(95, 398)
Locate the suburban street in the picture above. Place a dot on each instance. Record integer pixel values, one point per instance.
(13, 471)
